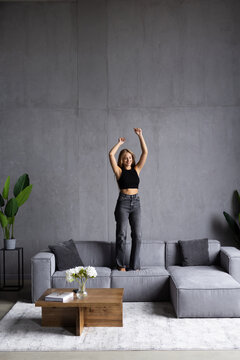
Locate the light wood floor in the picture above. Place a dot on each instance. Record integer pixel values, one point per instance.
(9, 298)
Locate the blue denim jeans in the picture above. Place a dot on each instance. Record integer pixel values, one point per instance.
(128, 209)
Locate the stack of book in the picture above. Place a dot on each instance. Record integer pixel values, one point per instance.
(60, 296)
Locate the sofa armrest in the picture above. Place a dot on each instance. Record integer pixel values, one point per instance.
(43, 266)
(230, 261)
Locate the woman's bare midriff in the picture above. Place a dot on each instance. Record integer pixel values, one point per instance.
(129, 191)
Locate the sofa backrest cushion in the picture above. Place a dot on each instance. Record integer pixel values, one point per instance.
(151, 253)
(94, 253)
(174, 255)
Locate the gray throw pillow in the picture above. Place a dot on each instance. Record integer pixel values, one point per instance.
(66, 255)
(194, 252)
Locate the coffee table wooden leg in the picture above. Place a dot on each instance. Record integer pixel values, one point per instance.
(79, 321)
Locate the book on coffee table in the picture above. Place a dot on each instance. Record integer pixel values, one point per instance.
(60, 296)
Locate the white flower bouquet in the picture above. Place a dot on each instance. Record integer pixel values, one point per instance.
(81, 274)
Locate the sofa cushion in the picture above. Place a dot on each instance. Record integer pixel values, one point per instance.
(201, 277)
(66, 255)
(148, 284)
(152, 253)
(194, 252)
(174, 256)
(204, 291)
(95, 253)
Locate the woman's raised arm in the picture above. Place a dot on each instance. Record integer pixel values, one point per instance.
(116, 169)
(144, 148)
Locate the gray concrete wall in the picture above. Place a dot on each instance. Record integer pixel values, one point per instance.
(76, 75)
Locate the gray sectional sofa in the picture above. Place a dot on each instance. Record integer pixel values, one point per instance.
(195, 291)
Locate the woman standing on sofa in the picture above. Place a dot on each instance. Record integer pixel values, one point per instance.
(128, 203)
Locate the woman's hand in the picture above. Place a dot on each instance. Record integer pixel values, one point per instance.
(138, 131)
(121, 140)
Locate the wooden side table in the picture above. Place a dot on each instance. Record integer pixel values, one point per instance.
(20, 273)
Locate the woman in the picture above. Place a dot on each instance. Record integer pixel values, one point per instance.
(128, 203)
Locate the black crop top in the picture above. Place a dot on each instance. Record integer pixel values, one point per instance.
(129, 179)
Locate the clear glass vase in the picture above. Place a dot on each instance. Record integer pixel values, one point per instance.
(82, 293)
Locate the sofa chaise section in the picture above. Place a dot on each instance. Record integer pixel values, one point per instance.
(205, 291)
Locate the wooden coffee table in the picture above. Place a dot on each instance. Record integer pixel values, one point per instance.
(102, 307)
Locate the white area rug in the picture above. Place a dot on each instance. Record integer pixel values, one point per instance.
(147, 326)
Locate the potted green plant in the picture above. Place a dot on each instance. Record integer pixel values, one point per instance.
(9, 208)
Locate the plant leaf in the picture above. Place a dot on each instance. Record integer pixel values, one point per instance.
(24, 195)
(21, 184)
(2, 202)
(6, 188)
(7, 232)
(238, 196)
(233, 224)
(11, 208)
(10, 220)
(236, 203)
(3, 220)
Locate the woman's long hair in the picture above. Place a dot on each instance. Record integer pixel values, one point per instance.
(120, 157)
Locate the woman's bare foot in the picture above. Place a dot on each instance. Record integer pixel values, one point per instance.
(121, 269)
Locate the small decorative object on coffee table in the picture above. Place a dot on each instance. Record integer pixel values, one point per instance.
(61, 296)
(81, 274)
